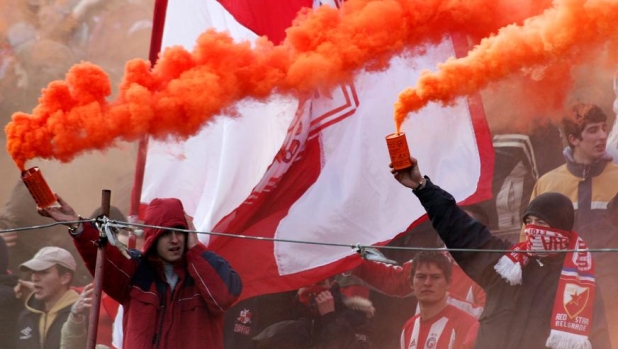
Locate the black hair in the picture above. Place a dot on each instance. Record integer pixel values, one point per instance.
(433, 257)
(153, 248)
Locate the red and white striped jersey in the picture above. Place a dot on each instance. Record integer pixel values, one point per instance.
(452, 328)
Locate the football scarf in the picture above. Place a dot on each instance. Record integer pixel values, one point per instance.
(573, 306)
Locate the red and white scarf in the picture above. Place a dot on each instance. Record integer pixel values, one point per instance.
(573, 306)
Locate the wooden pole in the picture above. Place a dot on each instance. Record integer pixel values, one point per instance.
(93, 324)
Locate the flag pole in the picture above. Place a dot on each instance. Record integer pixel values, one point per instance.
(93, 324)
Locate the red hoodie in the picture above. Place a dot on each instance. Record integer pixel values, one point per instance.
(189, 316)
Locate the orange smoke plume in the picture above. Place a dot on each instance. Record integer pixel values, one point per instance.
(184, 90)
(565, 35)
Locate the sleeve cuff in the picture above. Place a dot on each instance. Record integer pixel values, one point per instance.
(423, 186)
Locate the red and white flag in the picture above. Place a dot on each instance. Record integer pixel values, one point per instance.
(312, 170)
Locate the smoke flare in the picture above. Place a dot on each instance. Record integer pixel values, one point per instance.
(184, 90)
(567, 34)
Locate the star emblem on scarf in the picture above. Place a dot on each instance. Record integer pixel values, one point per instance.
(576, 298)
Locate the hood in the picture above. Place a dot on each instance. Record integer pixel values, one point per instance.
(62, 305)
(585, 171)
(361, 304)
(36, 306)
(163, 213)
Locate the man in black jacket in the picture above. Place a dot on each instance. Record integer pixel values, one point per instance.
(327, 320)
(537, 297)
(49, 305)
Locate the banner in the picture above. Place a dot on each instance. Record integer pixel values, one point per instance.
(312, 173)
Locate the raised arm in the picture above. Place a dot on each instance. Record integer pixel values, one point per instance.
(118, 269)
(456, 228)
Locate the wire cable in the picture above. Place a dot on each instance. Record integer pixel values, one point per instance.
(357, 246)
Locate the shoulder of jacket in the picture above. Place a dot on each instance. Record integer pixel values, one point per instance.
(556, 171)
(558, 174)
(611, 167)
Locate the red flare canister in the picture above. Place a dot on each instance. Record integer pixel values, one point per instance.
(398, 150)
(38, 188)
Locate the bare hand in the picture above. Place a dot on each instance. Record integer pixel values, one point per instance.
(325, 303)
(409, 177)
(11, 239)
(23, 289)
(191, 237)
(64, 213)
(84, 302)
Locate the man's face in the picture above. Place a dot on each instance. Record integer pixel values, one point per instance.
(49, 284)
(534, 220)
(591, 146)
(171, 246)
(429, 283)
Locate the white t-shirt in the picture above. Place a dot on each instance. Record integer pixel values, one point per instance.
(117, 334)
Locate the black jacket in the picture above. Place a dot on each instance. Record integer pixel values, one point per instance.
(345, 328)
(9, 310)
(249, 317)
(515, 317)
(28, 329)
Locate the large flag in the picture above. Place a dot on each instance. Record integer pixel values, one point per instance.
(310, 175)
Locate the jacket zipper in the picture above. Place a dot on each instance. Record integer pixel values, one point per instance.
(44, 334)
(312, 331)
(157, 337)
(586, 171)
(159, 334)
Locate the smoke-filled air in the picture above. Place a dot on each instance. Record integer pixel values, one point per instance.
(565, 35)
(325, 47)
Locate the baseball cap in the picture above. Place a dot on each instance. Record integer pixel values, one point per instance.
(49, 256)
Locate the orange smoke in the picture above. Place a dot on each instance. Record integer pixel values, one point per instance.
(324, 47)
(565, 35)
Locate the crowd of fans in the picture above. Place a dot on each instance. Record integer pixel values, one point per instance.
(41, 39)
(173, 292)
(531, 295)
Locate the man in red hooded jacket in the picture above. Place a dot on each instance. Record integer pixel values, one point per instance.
(174, 292)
